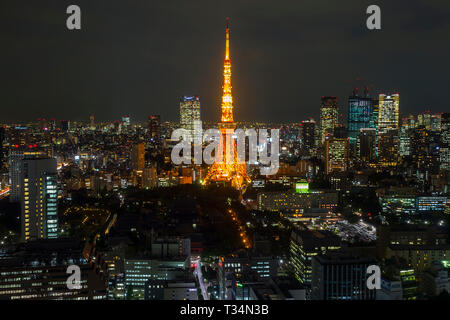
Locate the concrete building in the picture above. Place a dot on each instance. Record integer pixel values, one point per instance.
(341, 276)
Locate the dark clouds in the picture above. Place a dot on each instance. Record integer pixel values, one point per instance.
(138, 56)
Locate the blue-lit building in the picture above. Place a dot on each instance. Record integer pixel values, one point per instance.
(361, 114)
(431, 203)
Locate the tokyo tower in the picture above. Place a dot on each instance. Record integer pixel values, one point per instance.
(229, 170)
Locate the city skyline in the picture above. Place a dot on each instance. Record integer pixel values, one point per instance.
(285, 59)
(322, 173)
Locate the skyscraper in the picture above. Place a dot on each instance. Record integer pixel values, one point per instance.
(360, 114)
(91, 122)
(388, 147)
(39, 197)
(2, 138)
(126, 123)
(336, 154)
(388, 124)
(15, 167)
(190, 114)
(366, 145)
(328, 116)
(15, 158)
(388, 111)
(404, 141)
(154, 128)
(65, 125)
(308, 134)
(445, 142)
(138, 156)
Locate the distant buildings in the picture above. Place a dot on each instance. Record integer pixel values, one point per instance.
(91, 122)
(367, 145)
(154, 128)
(138, 156)
(361, 115)
(328, 116)
(308, 135)
(190, 114)
(336, 154)
(388, 147)
(2, 151)
(149, 178)
(388, 113)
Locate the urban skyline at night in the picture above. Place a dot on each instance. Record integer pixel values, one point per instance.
(284, 56)
(216, 162)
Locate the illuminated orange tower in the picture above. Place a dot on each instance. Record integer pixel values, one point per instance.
(229, 169)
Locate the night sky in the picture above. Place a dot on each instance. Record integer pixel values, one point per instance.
(138, 57)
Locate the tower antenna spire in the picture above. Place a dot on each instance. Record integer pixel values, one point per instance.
(227, 44)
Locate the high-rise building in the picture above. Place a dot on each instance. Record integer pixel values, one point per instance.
(126, 123)
(65, 125)
(304, 245)
(404, 141)
(154, 128)
(367, 145)
(138, 156)
(340, 132)
(431, 122)
(388, 133)
(445, 142)
(388, 147)
(91, 122)
(2, 138)
(149, 178)
(341, 276)
(425, 150)
(360, 115)
(190, 115)
(15, 157)
(126, 120)
(328, 116)
(388, 112)
(39, 198)
(336, 154)
(15, 165)
(308, 134)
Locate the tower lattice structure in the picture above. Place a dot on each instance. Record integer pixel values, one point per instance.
(229, 170)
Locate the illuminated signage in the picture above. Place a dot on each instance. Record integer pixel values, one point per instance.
(302, 187)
